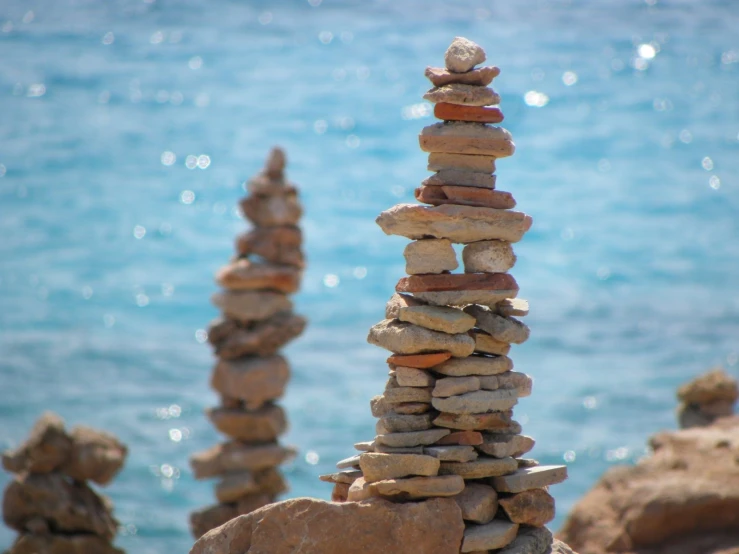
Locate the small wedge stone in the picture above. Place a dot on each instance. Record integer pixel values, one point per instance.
(413, 377)
(475, 365)
(488, 256)
(378, 406)
(430, 256)
(452, 386)
(461, 178)
(452, 453)
(420, 487)
(503, 446)
(438, 318)
(478, 503)
(376, 467)
(530, 478)
(478, 402)
(366, 446)
(496, 534)
(405, 338)
(414, 438)
(486, 344)
(348, 463)
(504, 329)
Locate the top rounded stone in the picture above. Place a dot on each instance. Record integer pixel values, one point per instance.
(462, 55)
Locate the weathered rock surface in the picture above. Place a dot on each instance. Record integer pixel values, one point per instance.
(465, 95)
(452, 453)
(62, 544)
(46, 449)
(235, 456)
(258, 426)
(462, 55)
(465, 196)
(411, 438)
(438, 318)
(512, 307)
(482, 76)
(504, 329)
(413, 377)
(405, 338)
(96, 456)
(683, 499)
(460, 137)
(438, 161)
(496, 534)
(494, 421)
(489, 256)
(420, 487)
(475, 365)
(401, 423)
(486, 344)
(457, 282)
(376, 467)
(452, 386)
(255, 381)
(397, 302)
(478, 503)
(429, 256)
(249, 306)
(533, 507)
(458, 112)
(477, 402)
(307, 526)
(243, 274)
(530, 478)
(231, 339)
(279, 245)
(480, 468)
(503, 445)
(460, 178)
(420, 361)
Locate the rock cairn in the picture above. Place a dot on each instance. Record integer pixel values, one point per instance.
(445, 419)
(250, 375)
(707, 398)
(49, 501)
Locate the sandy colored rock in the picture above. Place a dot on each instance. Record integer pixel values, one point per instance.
(399, 423)
(459, 137)
(461, 224)
(533, 507)
(474, 365)
(420, 361)
(477, 402)
(512, 307)
(279, 245)
(498, 421)
(351, 462)
(361, 490)
(521, 382)
(457, 112)
(438, 318)
(249, 306)
(496, 534)
(397, 395)
(340, 492)
(438, 161)
(488, 256)
(420, 487)
(272, 210)
(478, 502)
(381, 448)
(413, 438)
(530, 478)
(347, 476)
(463, 55)
(412, 408)
(465, 95)
(205, 519)
(243, 274)
(460, 178)
(465, 196)
(377, 466)
(398, 301)
(461, 437)
(486, 344)
(452, 386)
(429, 256)
(263, 338)
(96, 456)
(252, 380)
(464, 298)
(234, 485)
(270, 481)
(234, 456)
(535, 540)
(258, 426)
(67, 507)
(505, 445)
(47, 447)
(504, 329)
(378, 406)
(457, 282)
(405, 338)
(710, 387)
(482, 76)
(480, 468)
(413, 377)
(309, 525)
(62, 544)
(452, 453)
(527, 462)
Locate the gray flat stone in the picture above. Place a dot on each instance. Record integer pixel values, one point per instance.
(530, 478)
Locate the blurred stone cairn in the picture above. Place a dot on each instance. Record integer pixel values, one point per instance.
(707, 398)
(49, 501)
(445, 419)
(250, 375)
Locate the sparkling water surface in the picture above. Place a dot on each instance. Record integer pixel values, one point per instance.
(127, 128)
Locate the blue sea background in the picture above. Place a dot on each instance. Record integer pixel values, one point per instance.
(128, 127)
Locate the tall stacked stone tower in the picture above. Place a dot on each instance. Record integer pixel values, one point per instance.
(49, 501)
(250, 375)
(446, 426)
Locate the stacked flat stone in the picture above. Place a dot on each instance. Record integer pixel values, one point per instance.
(250, 374)
(446, 426)
(49, 501)
(707, 398)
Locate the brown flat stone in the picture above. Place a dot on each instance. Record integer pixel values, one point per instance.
(280, 245)
(481, 164)
(243, 274)
(465, 196)
(472, 438)
(411, 408)
(475, 422)
(456, 282)
(419, 361)
(533, 507)
(458, 112)
(481, 76)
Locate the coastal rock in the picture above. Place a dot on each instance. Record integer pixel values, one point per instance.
(504, 329)
(377, 466)
(438, 161)
(279, 245)
(413, 377)
(486, 344)
(530, 478)
(461, 178)
(258, 426)
(452, 386)
(47, 447)
(420, 487)
(462, 55)
(465, 95)
(495, 534)
(273, 210)
(234, 456)
(475, 365)
(461, 224)
(512, 307)
(398, 301)
(438, 318)
(457, 112)
(28, 543)
(494, 421)
(457, 282)
(465, 196)
(249, 306)
(255, 381)
(461, 437)
(404, 338)
(478, 502)
(488, 256)
(477, 402)
(533, 507)
(481, 77)
(460, 137)
(710, 387)
(521, 382)
(411, 438)
(452, 453)
(307, 525)
(429, 256)
(480, 468)
(420, 361)
(263, 338)
(399, 423)
(504, 445)
(96, 456)
(243, 274)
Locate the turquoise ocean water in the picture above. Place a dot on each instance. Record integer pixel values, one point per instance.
(127, 128)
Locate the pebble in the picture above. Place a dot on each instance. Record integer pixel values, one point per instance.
(430, 256)
(478, 502)
(463, 55)
(488, 256)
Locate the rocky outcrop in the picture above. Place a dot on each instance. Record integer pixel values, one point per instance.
(250, 375)
(683, 499)
(707, 398)
(49, 502)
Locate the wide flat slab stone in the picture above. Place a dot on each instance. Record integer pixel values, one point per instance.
(465, 196)
(478, 502)
(530, 478)
(257, 426)
(249, 306)
(461, 437)
(438, 318)
(413, 377)
(462, 224)
(400, 423)
(486, 344)
(474, 365)
(347, 476)
(493, 421)
(481, 76)
(505, 445)
(466, 297)
(465, 95)
(452, 386)
(420, 361)
(415, 488)
(504, 329)
(413, 438)
(377, 466)
(235, 456)
(452, 453)
(460, 137)
(457, 282)
(430, 256)
(461, 178)
(243, 274)
(442, 160)
(496, 534)
(480, 468)
(477, 402)
(405, 338)
(457, 112)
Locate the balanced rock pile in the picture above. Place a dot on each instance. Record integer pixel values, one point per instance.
(250, 374)
(707, 398)
(49, 502)
(446, 426)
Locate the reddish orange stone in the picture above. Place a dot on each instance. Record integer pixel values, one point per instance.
(456, 281)
(465, 196)
(419, 361)
(458, 112)
(471, 438)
